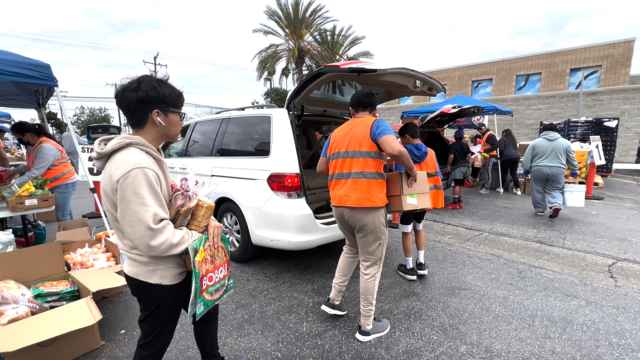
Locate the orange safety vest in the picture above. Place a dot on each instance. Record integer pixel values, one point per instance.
(356, 166)
(59, 171)
(436, 193)
(485, 144)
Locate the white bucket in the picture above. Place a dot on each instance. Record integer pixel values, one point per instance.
(574, 195)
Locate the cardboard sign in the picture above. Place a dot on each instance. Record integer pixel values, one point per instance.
(86, 153)
(596, 148)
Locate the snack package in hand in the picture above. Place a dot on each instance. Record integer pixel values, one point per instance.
(202, 213)
(211, 277)
(54, 288)
(15, 314)
(10, 287)
(183, 200)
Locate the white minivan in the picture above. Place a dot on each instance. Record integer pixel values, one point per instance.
(261, 161)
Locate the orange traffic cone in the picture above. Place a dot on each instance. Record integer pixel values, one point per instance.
(395, 219)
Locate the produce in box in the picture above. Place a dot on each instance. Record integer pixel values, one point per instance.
(95, 257)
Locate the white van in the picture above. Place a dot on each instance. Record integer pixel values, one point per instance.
(261, 161)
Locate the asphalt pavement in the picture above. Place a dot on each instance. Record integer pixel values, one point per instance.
(474, 303)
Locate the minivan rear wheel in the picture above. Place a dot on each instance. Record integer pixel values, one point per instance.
(235, 228)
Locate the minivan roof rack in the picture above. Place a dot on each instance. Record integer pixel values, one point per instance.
(263, 106)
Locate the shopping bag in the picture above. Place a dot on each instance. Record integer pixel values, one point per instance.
(211, 277)
(469, 184)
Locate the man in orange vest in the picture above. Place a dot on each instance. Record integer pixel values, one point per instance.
(424, 159)
(353, 158)
(489, 147)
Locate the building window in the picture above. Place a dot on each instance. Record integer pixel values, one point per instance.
(406, 100)
(528, 84)
(440, 97)
(481, 88)
(591, 78)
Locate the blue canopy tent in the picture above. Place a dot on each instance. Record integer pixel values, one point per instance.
(5, 118)
(27, 83)
(462, 100)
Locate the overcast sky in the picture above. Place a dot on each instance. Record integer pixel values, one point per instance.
(409, 33)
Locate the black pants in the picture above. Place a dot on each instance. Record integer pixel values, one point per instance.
(160, 310)
(510, 165)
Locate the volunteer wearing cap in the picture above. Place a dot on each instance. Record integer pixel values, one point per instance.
(353, 159)
(136, 190)
(46, 158)
(489, 147)
(4, 159)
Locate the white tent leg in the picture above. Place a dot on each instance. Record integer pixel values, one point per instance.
(495, 121)
(82, 161)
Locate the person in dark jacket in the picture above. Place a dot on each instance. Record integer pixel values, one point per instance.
(459, 166)
(489, 147)
(509, 160)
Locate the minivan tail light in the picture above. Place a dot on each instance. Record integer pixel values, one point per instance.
(288, 186)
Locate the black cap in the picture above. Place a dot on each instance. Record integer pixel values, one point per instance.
(481, 126)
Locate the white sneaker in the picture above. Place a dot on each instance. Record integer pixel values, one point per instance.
(483, 191)
(518, 192)
(500, 190)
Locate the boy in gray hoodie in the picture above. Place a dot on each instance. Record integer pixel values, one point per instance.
(546, 160)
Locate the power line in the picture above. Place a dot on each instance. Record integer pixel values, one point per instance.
(105, 99)
(108, 48)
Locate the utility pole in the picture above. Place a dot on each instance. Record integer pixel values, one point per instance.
(155, 64)
(116, 89)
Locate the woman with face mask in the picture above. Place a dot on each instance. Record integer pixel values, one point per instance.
(46, 158)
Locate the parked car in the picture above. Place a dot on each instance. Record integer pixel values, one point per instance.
(261, 160)
(432, 132)
(96, 131)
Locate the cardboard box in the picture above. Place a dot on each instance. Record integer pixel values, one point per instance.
(74, 230)
(522, 147)
(21, 203)
(404, 198)
(45, 217)
(66, 332)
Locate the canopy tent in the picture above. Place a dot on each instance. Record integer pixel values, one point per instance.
(5, 116)
(462, 100)
(27, 83)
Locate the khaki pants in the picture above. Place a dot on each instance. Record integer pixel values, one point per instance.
(365, 231)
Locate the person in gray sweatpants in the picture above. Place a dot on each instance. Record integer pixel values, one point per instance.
(546, 160)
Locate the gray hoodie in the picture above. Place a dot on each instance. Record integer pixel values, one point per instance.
(550, 150)
(136, 191)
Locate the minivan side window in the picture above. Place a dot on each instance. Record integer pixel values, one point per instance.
(247, 136)
(202, 138)
(174, 149)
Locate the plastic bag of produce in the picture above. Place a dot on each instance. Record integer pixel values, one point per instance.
(211, 277)
(54, 288)
(7, 241)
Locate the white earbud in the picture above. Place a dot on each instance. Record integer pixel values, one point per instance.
(161, 121)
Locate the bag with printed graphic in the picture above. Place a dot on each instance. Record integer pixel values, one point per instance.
(211, 279)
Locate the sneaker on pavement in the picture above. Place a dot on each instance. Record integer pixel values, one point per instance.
(500, 190)
(555, 211)
(333, 308)
(421, 268)
(378, 328)
(453, 206)
(409, 274)
(460, 204)
(541, 213)
(517, 192)
(484, 191)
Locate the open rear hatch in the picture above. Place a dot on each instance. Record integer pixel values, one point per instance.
(323, 97)
(448, 114)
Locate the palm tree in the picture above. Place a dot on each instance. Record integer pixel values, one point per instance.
(334, 45)
(294, 25)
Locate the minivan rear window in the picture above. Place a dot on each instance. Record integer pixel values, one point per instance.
(247, 136)
(342, 90)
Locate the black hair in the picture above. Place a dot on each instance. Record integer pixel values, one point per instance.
(363, 100)
(144, 94)
(23, 127)
(410, 129)
(507, 133)
(550, 127)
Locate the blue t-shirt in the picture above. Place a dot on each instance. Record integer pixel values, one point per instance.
(379, 129)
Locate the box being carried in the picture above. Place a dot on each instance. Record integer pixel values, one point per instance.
(404, 198)
(65, 332)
